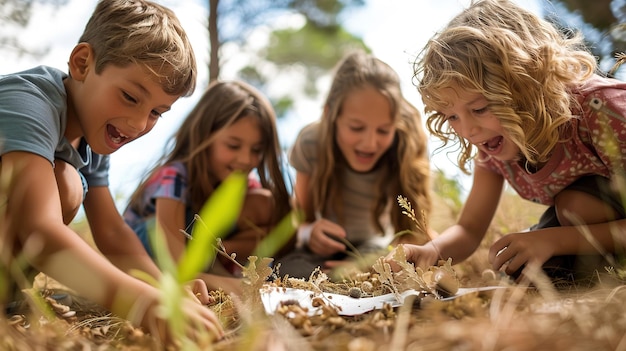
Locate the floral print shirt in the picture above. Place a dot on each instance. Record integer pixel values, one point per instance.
(597, 147)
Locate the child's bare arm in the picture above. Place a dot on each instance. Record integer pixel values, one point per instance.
(33, 224)
(36, 228)
(114, 238)
(461, 240)
(170, 216)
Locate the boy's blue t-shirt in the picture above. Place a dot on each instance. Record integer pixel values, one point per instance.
(33, 118)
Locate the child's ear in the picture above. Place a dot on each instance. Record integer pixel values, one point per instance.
(81, 60)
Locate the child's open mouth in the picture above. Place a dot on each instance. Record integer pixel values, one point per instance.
(116, 136)
(493, 144)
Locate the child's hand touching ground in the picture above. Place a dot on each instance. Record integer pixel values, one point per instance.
(420, 255)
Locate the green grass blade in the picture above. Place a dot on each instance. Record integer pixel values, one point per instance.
(217, 216)
(279, 236)
(160, 249)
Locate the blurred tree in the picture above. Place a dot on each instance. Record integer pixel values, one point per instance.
(310, 51)
(14, 16)
(314, 48)
(602, 22)
(233, 20)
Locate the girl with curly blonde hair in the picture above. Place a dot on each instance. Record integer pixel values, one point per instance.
(525, 103)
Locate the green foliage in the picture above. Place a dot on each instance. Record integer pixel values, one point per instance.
(279, 236)
(317, 49)
(217, 217)
(311, 46)
(449, 189)
(323, 13)
(597, 13)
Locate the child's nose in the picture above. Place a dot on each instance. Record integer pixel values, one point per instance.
(244, 157)
(138, 123)
(470, 128)
(369, 140)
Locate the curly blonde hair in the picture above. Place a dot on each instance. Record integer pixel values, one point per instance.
(122, 32)
(523, 65)
(406, 165)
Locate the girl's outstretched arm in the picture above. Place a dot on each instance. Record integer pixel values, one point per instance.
(461, 240)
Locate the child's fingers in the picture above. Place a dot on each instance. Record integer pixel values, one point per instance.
(198, 290)
(515, 263)
(328, 246)
(501, 258)
(497, 249)
(204, 320)
(331, 264)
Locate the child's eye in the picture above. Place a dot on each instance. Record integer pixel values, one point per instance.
(384, 131)
(155, 114)
(232, 146)
(129, 98)
(356, 129)
(451, 118)
(481, 110)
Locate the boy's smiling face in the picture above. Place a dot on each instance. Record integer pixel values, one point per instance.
(114, 107)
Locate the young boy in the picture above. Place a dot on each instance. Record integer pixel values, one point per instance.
(131, 64)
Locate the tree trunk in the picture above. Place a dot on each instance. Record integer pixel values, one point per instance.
(214, 42)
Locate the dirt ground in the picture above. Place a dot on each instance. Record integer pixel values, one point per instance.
(537, 315)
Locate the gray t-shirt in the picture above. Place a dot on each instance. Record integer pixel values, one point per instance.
(357, 189)
(33, 118)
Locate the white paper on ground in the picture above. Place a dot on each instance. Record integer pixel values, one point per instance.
(347, 306)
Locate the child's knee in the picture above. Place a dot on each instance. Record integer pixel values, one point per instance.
(70, 187)
(577, 207)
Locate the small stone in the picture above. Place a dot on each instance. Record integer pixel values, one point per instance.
(355, 292)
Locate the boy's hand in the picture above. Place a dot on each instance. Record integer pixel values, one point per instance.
(202, 323)
(201, 319)
(198, 289)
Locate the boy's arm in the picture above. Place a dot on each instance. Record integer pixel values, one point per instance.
(34, 223)
(114, 238)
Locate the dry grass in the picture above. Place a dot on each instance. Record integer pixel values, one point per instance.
(572, 317)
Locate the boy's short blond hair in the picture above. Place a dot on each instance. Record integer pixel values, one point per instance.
(123, 32)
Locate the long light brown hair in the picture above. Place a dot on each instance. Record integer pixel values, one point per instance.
(222, 104)
(406, 165)
(523, 65)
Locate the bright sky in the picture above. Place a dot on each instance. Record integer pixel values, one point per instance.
(394, 29)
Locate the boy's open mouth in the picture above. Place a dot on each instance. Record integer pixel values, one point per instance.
(116, 136)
